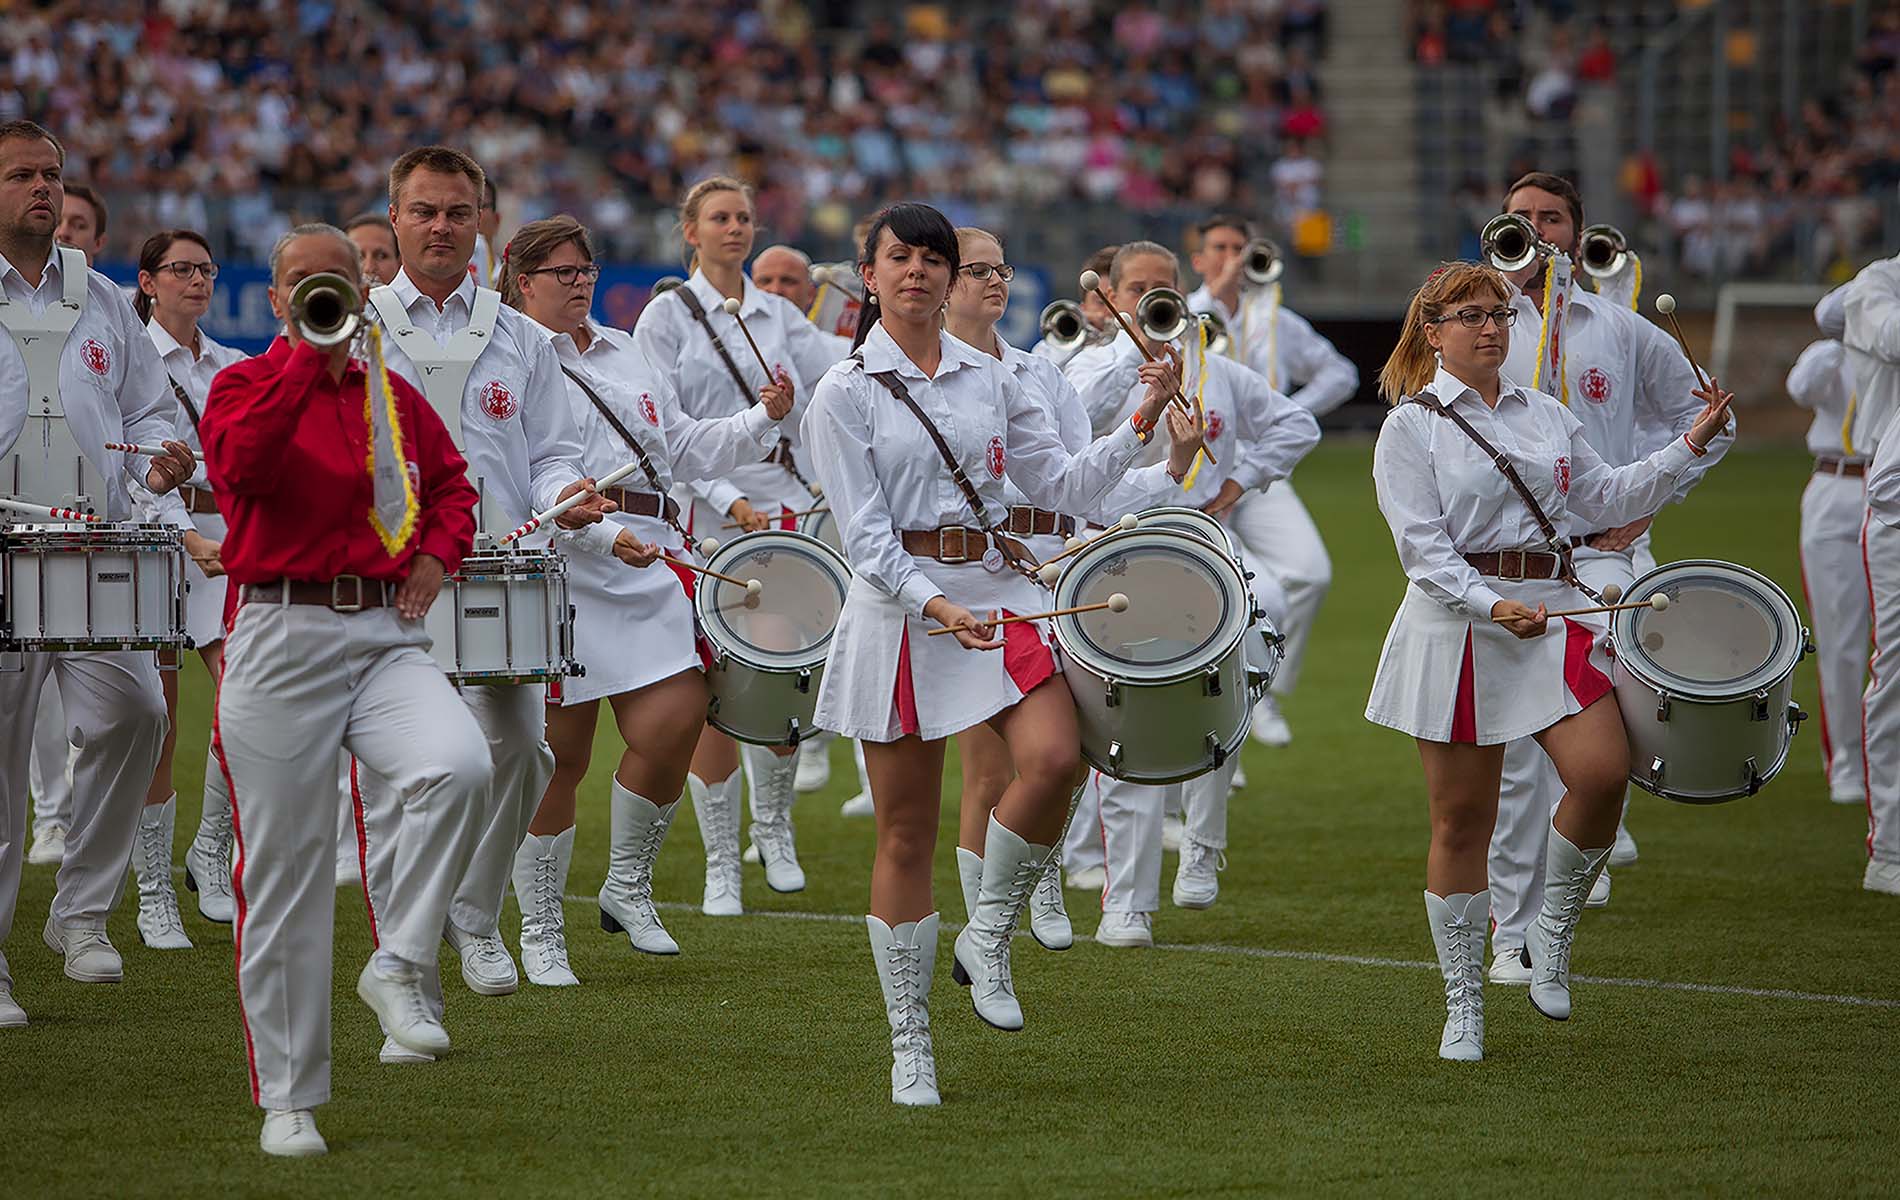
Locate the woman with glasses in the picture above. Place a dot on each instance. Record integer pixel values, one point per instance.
(1472, 659)
(633, 629)
(690, 339)
(176, 279)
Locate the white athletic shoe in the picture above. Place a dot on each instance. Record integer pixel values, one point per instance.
(1196, 882)
(12, 1016)
(49, 845)
(1511, 966)
(291, 1133)
(1600, 891)
(1851, 796)
(395, 1053)
(1172, 830)
(1126, 929)
(1239, 779)
(1269, 727)
(1086, 879)
(349, 873)
(90, 957)
(1623, 853)
(487, 967)
(398, 1002)
(1881, 877)
(814, 765)
(208, 872)
(858, 806)
(160, 926)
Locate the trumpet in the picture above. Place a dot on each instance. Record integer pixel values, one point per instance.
(1510, 243)
(1218, 341)
(1162, 315)
(326, 309)
(1603, 251)
(1262, 264)
(1064, 327)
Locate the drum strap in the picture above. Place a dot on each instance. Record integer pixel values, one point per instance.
(783, 454)
(191, 410)
(633, 443)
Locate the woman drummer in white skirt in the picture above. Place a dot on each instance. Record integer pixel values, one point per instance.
(176, 279)
(688, 337)
(910, 526)
(633, 629)
(1473, 659)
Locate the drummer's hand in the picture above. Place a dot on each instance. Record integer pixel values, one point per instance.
(1620, 538)
(777, 396)
(970, 632)
(171, 468)
(1228, 496)
(748, 520)
(1185, 437)
(1163, 378)
(634, 552)
(587, 511)
(1524, 622)
(204, 552)
(1712, 420)
(419, 587)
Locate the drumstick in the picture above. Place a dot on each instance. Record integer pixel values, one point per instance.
(1115, 603)
(752, 586)
(1666, 305)
(40, 510)
(541, 518)
(138, 448)
(1128, 521)
(732, 310)
(782, 516)
(1658, 602)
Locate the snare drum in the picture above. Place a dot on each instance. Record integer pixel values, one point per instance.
(1191, 520)
(1266, 645)
(1162, 690)
(1705, 686)
(93, 587)
(769, 650)
(504, 618)
(821, 526)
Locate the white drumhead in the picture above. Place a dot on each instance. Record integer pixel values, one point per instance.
(1728, 631)
(1190, 520)
(1187, 605)
(790, 623)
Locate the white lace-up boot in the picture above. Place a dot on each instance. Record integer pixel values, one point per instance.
(970, 876)
(540, 877)
(906, 960)
(160, 926)
(814, 764)
(1568, 876)
(208, 858)
(772, 796)
(1048, 916)
(626, 896)
(1011, 870)
(717, 807)
(1458, 927)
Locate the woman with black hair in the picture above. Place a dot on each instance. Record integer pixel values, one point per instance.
(912, 438)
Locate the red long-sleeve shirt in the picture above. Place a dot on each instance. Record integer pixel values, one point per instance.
(287, 448)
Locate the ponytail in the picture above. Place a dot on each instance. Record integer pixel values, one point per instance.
(1413, 361)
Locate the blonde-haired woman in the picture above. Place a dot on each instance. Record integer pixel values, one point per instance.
(689, 338)
(1472, 660)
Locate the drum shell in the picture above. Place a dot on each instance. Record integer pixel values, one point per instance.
(98, 587)
(504, 618)
(820, 525)
(1704, 746)
(1177, 724)
(754, 699)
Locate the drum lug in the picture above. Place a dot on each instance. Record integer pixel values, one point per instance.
(1217, 750)
(1114, 757)
(1655, 773)
(1754, 776)
(793, 739)
(1795, 717)
(712, 706)
(1662, 708)
(1210, 684)
(804, 687)
(1758, 709)
(1807, 641)
(1112, 696)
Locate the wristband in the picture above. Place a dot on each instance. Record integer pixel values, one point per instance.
(1694, 449)
(1144, 430)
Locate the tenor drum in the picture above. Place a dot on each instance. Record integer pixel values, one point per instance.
(769, 650)
(504, 618)
(1265, 643)
(821, 526)
(1706, 685)
(92, 587)
(1162, 691)
(1191, 520)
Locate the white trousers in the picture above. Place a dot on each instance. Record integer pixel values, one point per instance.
(1834, 580)
(1880, 707)
(1129, 822)
(1280, 541)
(50, 774)
(300, 682)
(115, 715)
(1082, 844)
(1530, 789)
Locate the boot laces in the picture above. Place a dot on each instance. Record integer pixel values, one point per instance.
(1464, 979)
(1048, 895)
(155, 853)
(544, 925)
(1022, 882)
(775, 843)
(910, 1016)
(1556, 964)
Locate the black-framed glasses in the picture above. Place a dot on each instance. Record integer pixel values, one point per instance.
(982, 271)
(569, 275)
(181, 270)
(1474, 318)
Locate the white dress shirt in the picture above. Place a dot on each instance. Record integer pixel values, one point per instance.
(1822, 381)
(1283, 346)
(193, 373)
(1872, 337)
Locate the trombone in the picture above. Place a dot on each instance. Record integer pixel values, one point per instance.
(326, 309)
(1510, 243)
(1603, 251)
(1263, 263)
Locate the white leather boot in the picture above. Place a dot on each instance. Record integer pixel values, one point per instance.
(717, 807)
(160, 926)
(970, 876)
(772, 780)
(1458, 927)
(906, 960)
(1011, 870)
(540, 879)
(208, 858)
(1568, 875)
(1048, 916)
(626, 896)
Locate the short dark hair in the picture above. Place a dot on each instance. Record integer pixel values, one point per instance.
(491, 199)
(535, 243)
(92, 197)
(1224, 220)
(1100, 261)
(1556, 185)
(442, 159)
(914, 225)
(152, 256)
(32, 131)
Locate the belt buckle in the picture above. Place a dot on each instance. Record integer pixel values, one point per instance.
(1518, 577)
(337, 604)
(1026, 514)
(963, 544)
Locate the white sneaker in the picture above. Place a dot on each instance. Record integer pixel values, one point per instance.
(1623, 853)
(49, 845)
(1511, 966)
(12, 1016)
(1269, 727)
(208, 872)
(1196, 879)
(1881, 877)
(1086, 879)
(160, 926)
(1239, 779)
(394, 1053)
(398, 1002)
(1126, 929)
(779, 852)
(814, 765)
(1599, 891)
(1172, 830)
(349, 873)
(487, 967)
(90, 957)
(1855, 796)
(291, 1134)
(858, 806)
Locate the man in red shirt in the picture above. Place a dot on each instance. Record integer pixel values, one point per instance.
(327, 650)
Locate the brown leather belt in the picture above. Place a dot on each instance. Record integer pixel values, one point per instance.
(344, 594)
(955, 544)
(643, 504)
(199, 502)
(1834, 464)
(1519, 564)
(1026, 520)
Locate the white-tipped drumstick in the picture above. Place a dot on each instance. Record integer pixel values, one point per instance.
(1115, 603)
(552, 511)
(752, 586)
(138, 448)
(782, 516)
(731, 307)
(1657, 603)
(1666, 305)
(41, 510)
(1128, 521)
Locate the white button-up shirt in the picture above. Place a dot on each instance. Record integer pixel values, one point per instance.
(517, 425)
(111, 385)
(1872, 338)
(1283, 346)
(882, 473)
(193, 373)
(1444, 498)
(1822, 381)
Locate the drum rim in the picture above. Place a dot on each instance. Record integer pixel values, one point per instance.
(1162, 512)
(1641, 667)
(124, 533)
(721, 558)
(1076, 646)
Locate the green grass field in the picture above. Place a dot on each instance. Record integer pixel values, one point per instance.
(1282, 1042)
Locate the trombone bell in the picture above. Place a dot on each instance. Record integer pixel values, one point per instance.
(1162, 315)
(1263, 263)
(1603, 251)
(1510, 243)
(326, 309)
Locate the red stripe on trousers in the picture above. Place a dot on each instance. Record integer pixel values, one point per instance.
(1464, 705)
(1873, 676)
(1581, 676)
(362, 850)
(237, 877)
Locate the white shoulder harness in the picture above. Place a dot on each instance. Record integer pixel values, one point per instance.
(445, 366)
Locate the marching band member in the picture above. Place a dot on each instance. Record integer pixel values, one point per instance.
(83, 225)
(676, 333)
(484, 264)
(913, 436)
(1631, 386)
(175, 280)
(1093, 310)
(785, 271)
(72, 337)
(375, 241)
(346, 505)
(1273, 525)
(497, 381)
(1269, 436)
(1468, 665)
(1833, 577)
(633, 630)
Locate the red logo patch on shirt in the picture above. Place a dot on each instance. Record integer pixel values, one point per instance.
(497, 401)
(649, 410)
(1213, 425)
(97, 358)
(996, 459)
(1595, 386)
(1562, 475)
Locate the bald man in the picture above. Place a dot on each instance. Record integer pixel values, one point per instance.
(785, 271)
